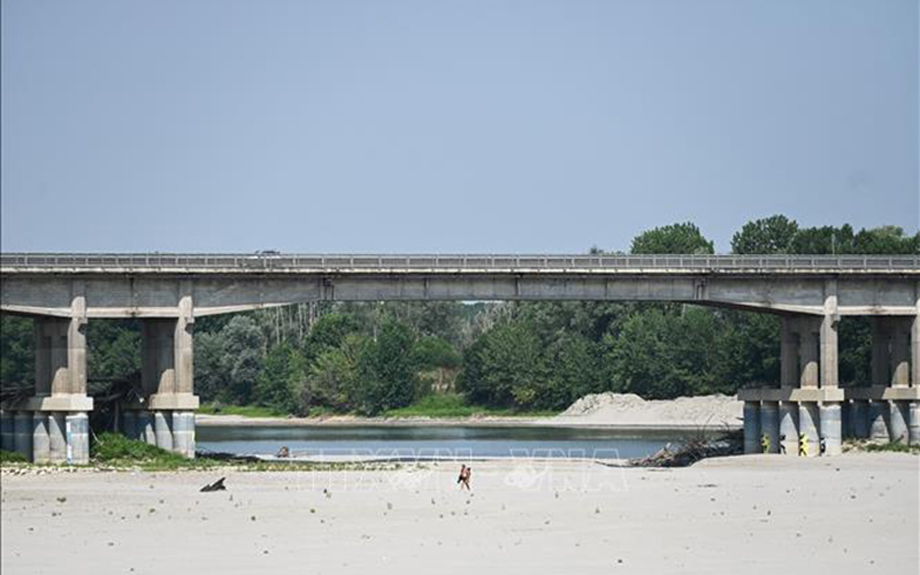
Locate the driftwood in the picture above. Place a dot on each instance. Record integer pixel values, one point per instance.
(216, 486)
(694, 449)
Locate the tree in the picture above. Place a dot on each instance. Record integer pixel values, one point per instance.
(504, 368)
(683, 238)
(334, 377)
(823, 240)
(242, 359)
(280, 384)
(771, 235)
(17, 351)
(886, 240)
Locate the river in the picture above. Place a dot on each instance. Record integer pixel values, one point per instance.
(459, 441)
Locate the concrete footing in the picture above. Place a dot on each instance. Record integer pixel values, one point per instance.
(7, 443)
(859, 418)
(183, 428)
(831, 428)
(77, 432)
(57, 437)
(41, 441)
(22, 433)
(879, 413)
(162, 425)
(769, 427)
(789, 427)
(899, 419)
(145, 431)
(809, 440)
(752, 427)
(913, 410)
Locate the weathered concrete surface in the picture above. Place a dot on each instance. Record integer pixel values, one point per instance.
(132, 286)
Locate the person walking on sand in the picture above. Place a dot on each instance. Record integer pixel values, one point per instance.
(464, 479)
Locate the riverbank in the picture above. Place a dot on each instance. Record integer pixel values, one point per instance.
(855, 513)
(607, 410)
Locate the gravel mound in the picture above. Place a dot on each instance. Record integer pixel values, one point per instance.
(630, 409)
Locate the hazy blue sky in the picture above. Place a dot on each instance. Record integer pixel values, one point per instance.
(423, 126)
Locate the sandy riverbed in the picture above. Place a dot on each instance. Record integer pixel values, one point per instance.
(610, 410)
(857, 513)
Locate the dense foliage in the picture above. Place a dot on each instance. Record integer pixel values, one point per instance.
(371, 358)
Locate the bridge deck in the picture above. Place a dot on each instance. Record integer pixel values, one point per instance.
(465, 263)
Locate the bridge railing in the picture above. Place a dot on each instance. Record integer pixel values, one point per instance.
(306, 262)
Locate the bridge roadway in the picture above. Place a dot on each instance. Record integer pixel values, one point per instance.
(168, 291)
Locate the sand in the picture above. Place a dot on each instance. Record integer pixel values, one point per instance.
(614, 410)
(857, 513)
(627, 409)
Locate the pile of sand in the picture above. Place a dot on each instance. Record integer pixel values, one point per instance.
(630, 409)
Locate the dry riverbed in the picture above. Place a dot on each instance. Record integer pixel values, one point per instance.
(857, 513)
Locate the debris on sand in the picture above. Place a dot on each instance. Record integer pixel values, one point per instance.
(216, 486)
(694, 449)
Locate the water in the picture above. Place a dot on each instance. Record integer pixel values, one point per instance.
(426, 441)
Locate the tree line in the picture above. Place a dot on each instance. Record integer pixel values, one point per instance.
(367, 358)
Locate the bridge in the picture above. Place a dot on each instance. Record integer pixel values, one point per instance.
(62, 292)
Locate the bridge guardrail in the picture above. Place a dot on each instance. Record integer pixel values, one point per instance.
(309, 262)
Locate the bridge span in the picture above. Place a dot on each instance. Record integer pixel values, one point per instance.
(168, 291)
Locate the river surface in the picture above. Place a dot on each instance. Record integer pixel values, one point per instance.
(456, 441)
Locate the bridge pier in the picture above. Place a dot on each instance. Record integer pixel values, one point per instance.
(165, 414)
(52, 425)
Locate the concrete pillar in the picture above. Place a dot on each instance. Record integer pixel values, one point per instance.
(752, 427)
(129, 424)
(77, 433)
(808, 428)
(915, 346)
(162, 425)
(845, 416)
(57, 437)
(900, 353)
(859, 418)
(789, 427)
(914, 424)
(769, 425)
(789, 353)
(22, 433)
(41, 443)
(157, 353)
(880, 345)
(183, 354)
(899, 420)
(879, 413)
(828, 337)
(183, 430)
(831, 428)
(808, 354)
(145, 429)
(7, 441)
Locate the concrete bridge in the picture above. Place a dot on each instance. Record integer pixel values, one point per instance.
(62, 292)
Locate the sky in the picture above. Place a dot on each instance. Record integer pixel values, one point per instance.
(446, 126)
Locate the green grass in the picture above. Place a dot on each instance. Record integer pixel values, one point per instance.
(116, 450)
(11, 457)
(893, 446)
(242, 410)
(454, 405)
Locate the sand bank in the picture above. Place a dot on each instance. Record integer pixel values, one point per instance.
(856, 513)
(613, 410)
